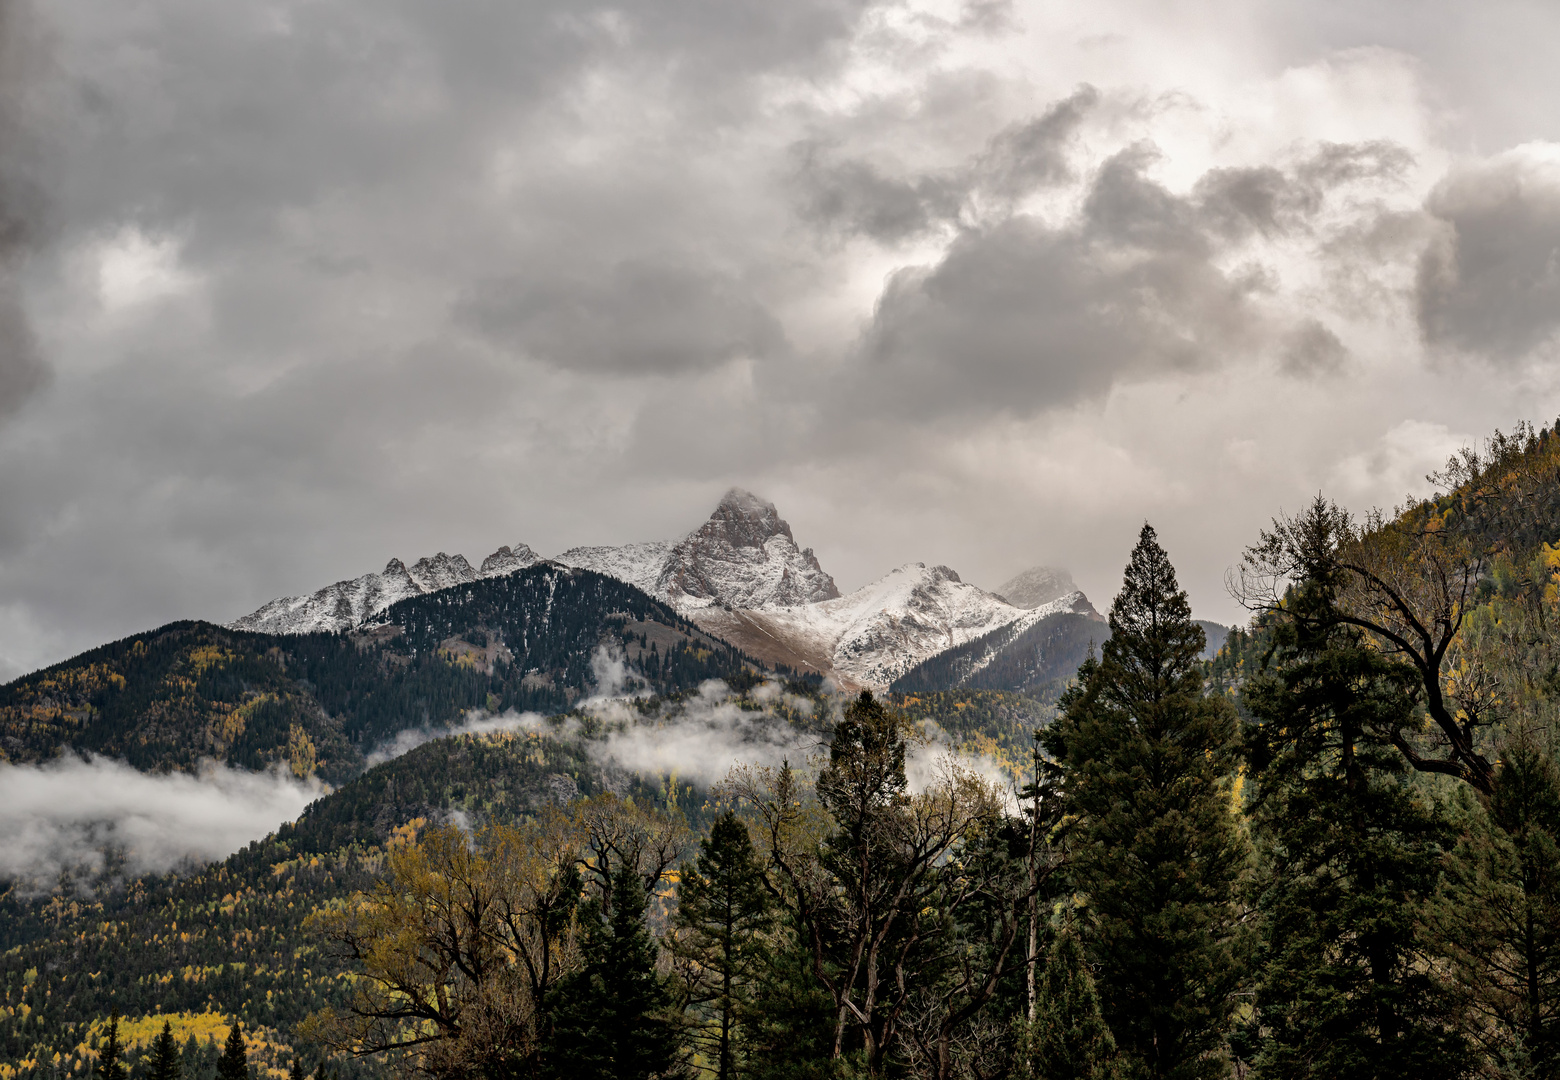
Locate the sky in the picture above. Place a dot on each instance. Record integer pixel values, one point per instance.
(291, 288)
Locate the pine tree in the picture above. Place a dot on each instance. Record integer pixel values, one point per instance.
(109, 1065)
(1146, 761)
(791, 1032)
(1351, 851)
(1497, 917)
(723, 909)
(611, 1018)
(165, 1056)
(1069, 1039)
(234, 1062)
(297, 1070)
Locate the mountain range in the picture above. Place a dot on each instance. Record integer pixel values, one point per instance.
(742, 577)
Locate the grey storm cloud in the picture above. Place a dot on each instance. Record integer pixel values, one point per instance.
(23, 204)
(1489, 283)
(312, 285)
(850, 195)
(1025, 315)
(633, 318)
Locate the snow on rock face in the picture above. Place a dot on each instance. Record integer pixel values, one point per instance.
(507, 560)
(348, 603)
(743, 556)
(741, 576)
(335, 607)
(442, 571)
(639, 565)
(872, 636)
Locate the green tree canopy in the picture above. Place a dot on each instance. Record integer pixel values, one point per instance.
(1147, 761)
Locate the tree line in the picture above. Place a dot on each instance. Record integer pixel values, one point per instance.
(1317, 872)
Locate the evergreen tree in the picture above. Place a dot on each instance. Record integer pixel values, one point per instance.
(611, 1018)
(109, 1064)
(723, 909)
(165, 1056)
(1351, 851)
(1497, 916)
(1069, 1039)
(297, 1070)
(234, 1062)
(1146, 761)
(790, 1035)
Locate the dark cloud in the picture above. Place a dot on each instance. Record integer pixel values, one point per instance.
(854, 196)
(636, 318)
(1489, 284)
(1021, 316)
(1311, 349)
(1035, 154)
(322, 284)
(23, 203)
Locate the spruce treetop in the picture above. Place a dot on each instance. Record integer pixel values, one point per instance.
(1154, 644)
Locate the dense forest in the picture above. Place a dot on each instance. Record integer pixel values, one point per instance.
(320, 702)
(1332, 850)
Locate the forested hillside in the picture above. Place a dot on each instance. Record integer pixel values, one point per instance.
(319, 702)
(1037, 660)
(230, 940)
(1328, 852)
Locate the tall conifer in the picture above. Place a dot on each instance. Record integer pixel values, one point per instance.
(611, 1017)
(1497, 916)
(722, 911)
(109, 1064)
(165, 1056)
(1351, 852)
(1146, 760)
(234, 1062)
(1069, 1039)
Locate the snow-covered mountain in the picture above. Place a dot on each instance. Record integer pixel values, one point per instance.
(877, 633)
(743, 556)
(740, 576)
(348, 603)
(640, 565)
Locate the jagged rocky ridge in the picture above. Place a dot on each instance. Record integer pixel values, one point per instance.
(347, 604)
(742, 577)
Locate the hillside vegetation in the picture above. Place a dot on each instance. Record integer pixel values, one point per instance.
(320, 702)
(1330, 851)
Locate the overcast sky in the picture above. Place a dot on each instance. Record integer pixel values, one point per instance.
(287, 289)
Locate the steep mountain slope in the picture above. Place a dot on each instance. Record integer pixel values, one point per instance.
(639, 565)
(1032, 656)
(168, 698)
(346, 604)
(875, 634)
(743, 556)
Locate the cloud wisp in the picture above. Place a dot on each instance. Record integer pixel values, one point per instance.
(100, 816)
(700, 738)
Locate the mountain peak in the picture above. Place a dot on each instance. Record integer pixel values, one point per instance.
(1037, 585)
(744, 556)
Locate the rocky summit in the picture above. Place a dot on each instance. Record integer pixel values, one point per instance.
(743, 556)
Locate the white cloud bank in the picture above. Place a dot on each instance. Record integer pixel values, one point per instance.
(63, 814)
